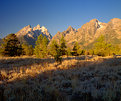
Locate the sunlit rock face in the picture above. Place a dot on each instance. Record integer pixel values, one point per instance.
(29, 35)
(89, 32)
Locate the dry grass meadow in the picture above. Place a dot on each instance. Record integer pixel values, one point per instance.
(76, 79)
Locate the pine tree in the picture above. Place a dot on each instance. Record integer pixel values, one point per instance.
(11, 46)
(55, 51)
(76, 49)
(68, 52)
(44, 46)
(41, 47)
(63, 45)
(37, 50)
(53, 48)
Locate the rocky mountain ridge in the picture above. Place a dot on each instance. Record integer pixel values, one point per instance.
(86, 35)
(29, 35)
(89, 32)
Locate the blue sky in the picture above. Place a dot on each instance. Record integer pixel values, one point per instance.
(55, 15)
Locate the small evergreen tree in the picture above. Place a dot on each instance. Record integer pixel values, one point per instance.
(55, 51)
(63, 45)
(53, 48)
(68, 52)
(11, 46)
(44, 46)
(41, 47)
(76, 49)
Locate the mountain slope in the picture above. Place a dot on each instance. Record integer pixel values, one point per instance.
(89, 32)
(67, 34)
(29, 35)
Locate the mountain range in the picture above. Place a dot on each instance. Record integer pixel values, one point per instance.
(85, 36)
(89, 32)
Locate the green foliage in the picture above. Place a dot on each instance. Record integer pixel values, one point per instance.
(88, 52)
(41, 47)
(63, 45)
(58, 57)
(11, 46)
(27, 49)
(55, 51)
(68, 52)
(102, 48)
(116, 50)
(53, 48)
(91, 52)
(76, 49)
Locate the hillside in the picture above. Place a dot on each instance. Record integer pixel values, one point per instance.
(89, 32)
(29, 35)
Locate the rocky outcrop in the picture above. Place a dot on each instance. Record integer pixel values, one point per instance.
(69, 35)
(29, 35)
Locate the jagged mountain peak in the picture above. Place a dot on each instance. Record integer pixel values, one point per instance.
(37, 27)
(24, 30)
(94, 20)
(43, 29)
(27, 27)
(29, 35)
(70, 28)
(92, 26)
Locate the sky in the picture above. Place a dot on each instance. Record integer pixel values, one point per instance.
(55, 15)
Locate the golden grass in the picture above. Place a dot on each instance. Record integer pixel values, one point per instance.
(39, 79)
(29, 66)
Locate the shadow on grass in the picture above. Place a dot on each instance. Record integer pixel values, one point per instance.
(72, 84)
(18, 62)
